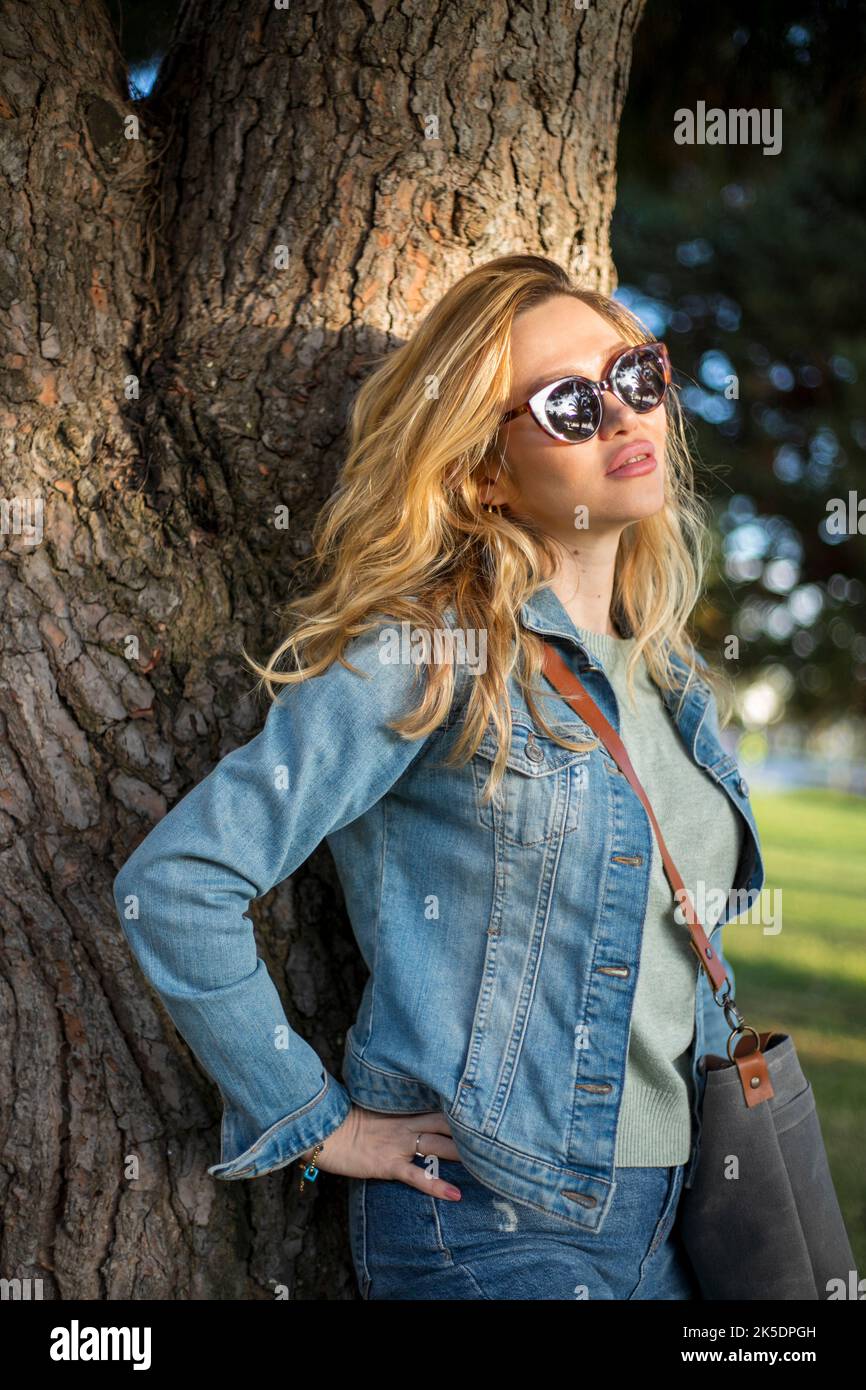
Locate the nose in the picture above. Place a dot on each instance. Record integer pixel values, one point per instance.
(615, 416)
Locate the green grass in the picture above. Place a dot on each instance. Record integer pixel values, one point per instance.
(809, 980)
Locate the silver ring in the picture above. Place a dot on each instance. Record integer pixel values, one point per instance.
(418, 1152)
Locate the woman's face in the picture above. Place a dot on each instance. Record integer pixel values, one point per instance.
(568, 488)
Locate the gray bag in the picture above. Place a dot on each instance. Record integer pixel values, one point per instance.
(761, 1219)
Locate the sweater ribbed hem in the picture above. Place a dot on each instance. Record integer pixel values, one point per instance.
(655, 1129)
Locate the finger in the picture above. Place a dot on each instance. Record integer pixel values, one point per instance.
(414, 1176)
(439, 1144)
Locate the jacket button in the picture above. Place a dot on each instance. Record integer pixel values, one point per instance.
(743, 787)
(533, 752)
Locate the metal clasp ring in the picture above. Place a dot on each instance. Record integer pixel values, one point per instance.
(744, 1028)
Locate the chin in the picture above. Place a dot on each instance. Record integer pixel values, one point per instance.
(638, 508)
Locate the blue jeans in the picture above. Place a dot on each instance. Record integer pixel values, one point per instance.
(407, 1245)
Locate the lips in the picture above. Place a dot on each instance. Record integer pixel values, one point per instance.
(641, 449)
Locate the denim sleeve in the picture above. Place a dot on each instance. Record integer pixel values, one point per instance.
(323, 757)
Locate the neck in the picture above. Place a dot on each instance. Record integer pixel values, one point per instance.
(583, 582)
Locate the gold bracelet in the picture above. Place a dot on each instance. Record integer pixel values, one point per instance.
(310, 1169)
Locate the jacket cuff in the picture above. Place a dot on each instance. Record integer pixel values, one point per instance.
(284, 1141)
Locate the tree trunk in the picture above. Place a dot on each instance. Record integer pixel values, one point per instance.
(187, 315)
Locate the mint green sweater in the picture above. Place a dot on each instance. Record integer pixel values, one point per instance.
(704, 834)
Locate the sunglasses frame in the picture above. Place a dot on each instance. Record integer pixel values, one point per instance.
(538, 400)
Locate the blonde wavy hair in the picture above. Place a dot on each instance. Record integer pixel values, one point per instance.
(404, 535)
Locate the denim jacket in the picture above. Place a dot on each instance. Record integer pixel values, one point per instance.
(492, 930)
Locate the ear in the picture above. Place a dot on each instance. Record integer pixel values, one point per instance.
(493, 494)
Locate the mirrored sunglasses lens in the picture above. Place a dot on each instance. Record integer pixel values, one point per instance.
(573, 410)
(640, 378)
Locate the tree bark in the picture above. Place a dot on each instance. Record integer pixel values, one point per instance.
(170, 378)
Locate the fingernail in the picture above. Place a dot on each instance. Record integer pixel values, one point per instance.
(453, 1193)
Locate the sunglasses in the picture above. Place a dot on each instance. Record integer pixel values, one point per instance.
(571, 409)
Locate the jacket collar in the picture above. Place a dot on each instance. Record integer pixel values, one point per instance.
(544, 613)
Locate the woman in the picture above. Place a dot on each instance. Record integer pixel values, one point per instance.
(520, 1099)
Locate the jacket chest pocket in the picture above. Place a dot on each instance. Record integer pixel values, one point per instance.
(544, 786)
